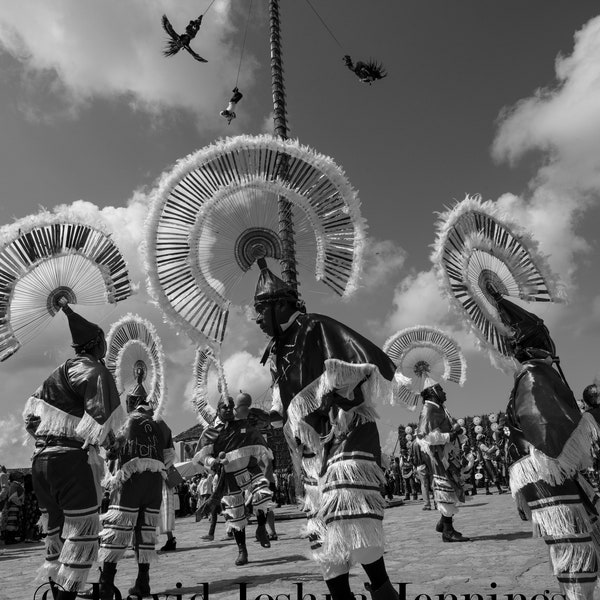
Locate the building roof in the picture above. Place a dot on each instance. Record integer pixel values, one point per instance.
(189, 435)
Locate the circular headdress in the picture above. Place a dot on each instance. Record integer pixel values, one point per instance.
(478, 253)
(216, 213)
(205, 361)
(46, 257)
(133, 348)
(425, 355)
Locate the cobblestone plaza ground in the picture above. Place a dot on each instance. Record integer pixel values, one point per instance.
(501, 559)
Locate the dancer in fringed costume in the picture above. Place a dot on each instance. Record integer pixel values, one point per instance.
(326, 380)
(75, 410)
(243, 456)
(438, 438)
(550, 442)
(136, 494)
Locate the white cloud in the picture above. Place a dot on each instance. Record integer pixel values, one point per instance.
(564, 124)
(558, 118)
(383, 259)
(243, 371)
(13, 453)
(73, 52)
(417, 301)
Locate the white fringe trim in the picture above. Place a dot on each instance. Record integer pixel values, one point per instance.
(135, 465)
(71, 579)
(81, 526)
(79, 552)
(561, 520)
(575, 455)
(94, 433)
(203, 455)
(343, 377)
(53, 421)
(49, 569)
(342, 537)
(578, 557)
(257, 451)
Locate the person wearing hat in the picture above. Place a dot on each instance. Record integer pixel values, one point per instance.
(240, 452)
(549, 444)
(326, 380)
(135, 483)
(74, 411)
(438, 438)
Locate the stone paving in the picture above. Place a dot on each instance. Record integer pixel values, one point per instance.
(501, 559)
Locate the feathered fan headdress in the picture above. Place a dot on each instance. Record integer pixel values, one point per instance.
(425, 356)
(205, 360)
(134, 352)
(46, 257)
(480, 255)
(216, 213)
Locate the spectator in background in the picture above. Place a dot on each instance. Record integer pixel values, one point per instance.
(489, 453)
(3, 486)
(31, 512)
(591, 399)
(408, 474)
(13, 509)
(467, 469)
(398, 488)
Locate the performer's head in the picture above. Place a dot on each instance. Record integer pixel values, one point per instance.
(434, 392)
(243, 402)
(137, 397)
(591, 395)
(274, 301)
(87, 337)
(531, 338)
(225, 409)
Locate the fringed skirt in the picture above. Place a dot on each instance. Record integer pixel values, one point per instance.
(344, 504)
(564, 515)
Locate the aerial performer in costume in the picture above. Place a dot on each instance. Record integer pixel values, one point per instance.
(549, 439)
(425, 355)
(177, 42)
(367, 72)
(326, 380)
(243, 456)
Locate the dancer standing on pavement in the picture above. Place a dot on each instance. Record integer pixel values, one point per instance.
(136, 494)
(326, 381)
(75, 410)
(244, 456)
(549, 443)
(438, 438)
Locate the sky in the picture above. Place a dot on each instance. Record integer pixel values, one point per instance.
(481, 97)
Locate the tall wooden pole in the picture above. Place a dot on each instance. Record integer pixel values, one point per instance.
(286, 226)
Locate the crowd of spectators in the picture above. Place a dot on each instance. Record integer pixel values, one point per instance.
(19, 511)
